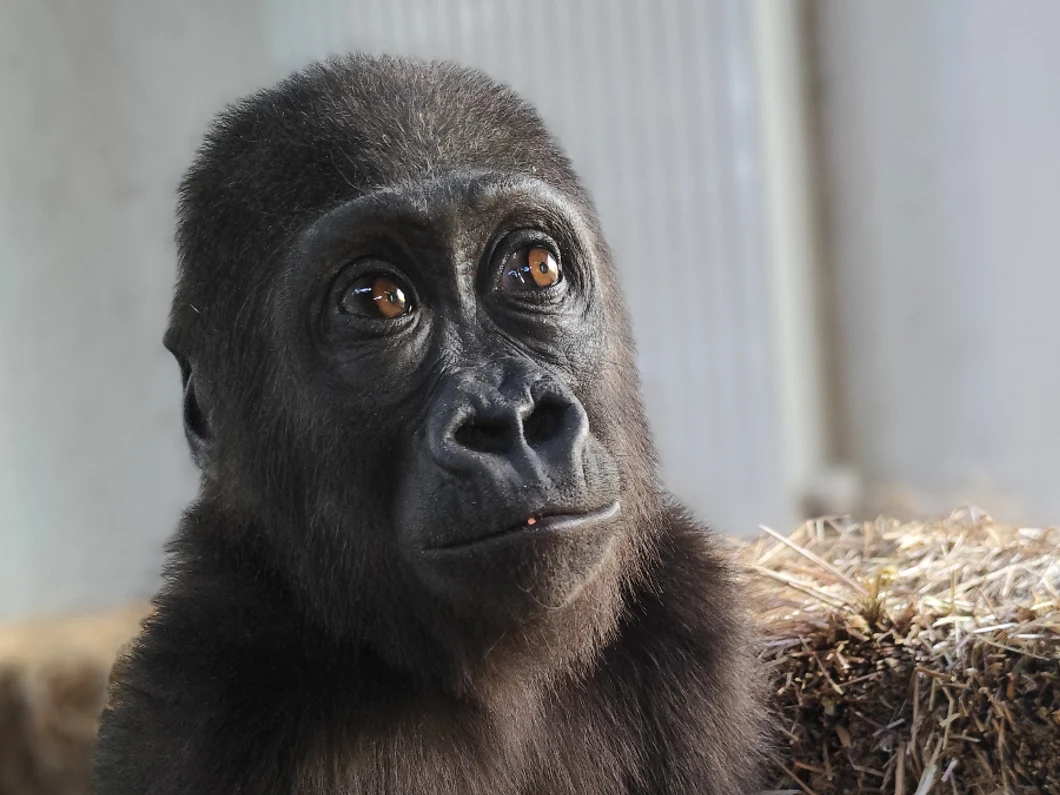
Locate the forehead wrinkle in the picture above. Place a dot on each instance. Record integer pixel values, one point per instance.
(481, 190)
(376, 204)
(453, 195)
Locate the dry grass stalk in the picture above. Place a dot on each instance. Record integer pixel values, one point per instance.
(912, 658)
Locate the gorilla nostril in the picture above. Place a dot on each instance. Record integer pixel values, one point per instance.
(519, 419)
(484, 436)
(545, 421)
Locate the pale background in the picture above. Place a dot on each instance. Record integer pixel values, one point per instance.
(856, 204)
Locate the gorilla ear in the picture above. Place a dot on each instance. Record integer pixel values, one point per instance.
(196, 425)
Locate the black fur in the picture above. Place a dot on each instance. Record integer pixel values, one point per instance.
(332, 619)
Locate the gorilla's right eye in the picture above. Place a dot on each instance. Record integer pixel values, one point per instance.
(375, 295)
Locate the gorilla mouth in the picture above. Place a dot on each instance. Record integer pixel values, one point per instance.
(551, 522)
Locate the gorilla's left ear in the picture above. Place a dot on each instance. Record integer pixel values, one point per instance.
(196, 421)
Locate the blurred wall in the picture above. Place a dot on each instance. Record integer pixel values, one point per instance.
(103, 105)
(104, 102)
(941, 124)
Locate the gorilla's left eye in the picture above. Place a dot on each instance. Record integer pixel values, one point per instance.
(530, 269)
(375, 295)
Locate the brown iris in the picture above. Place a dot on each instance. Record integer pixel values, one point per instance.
(389, 299)
(544, 269)
(374, 295)
(530, 268)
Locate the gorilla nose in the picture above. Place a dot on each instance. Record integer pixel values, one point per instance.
(500, 428)
(535, 426)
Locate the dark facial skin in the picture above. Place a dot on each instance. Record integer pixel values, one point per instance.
(477, 376)
(431, 553)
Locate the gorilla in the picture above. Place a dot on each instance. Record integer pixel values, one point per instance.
(431, 553)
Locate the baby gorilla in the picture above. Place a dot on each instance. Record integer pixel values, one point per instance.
(430, 554)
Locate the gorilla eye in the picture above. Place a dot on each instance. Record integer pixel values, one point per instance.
(375, 295)
(531, 268)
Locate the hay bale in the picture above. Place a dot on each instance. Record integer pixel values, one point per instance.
(906, 658)
(913, 658)
(53, 679)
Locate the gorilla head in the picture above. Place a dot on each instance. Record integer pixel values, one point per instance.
(408, 371)
(430, 553)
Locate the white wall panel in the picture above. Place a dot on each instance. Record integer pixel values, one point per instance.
(942, 121)
(104, 104)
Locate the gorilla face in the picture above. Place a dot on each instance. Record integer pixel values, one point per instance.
(455, 325)
(408, 368)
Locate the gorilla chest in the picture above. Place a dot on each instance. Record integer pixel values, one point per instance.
(558, 753)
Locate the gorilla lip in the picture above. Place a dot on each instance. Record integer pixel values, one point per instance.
(537, 524)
